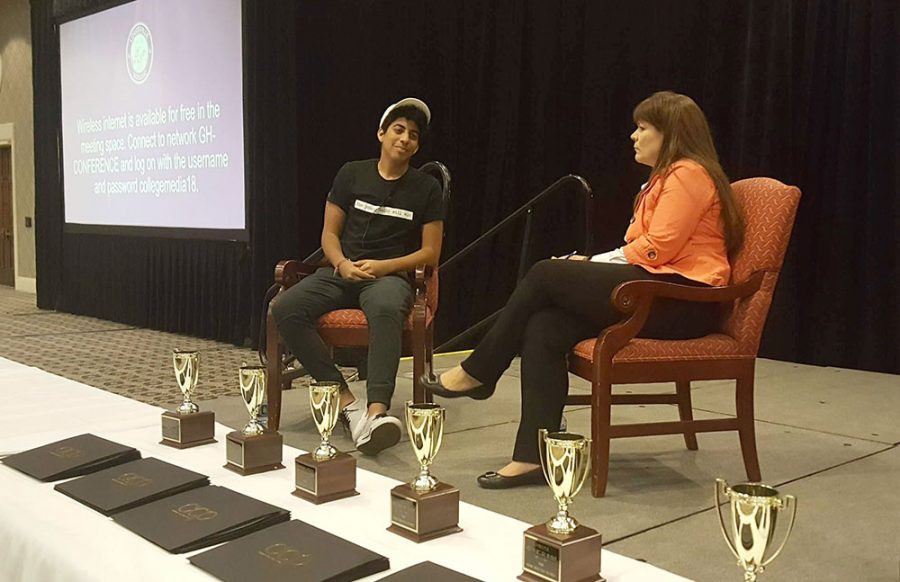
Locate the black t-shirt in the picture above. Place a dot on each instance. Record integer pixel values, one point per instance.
(384, 217)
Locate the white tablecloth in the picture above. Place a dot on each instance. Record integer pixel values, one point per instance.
(46, 536)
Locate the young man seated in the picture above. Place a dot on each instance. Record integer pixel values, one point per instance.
(382, 218)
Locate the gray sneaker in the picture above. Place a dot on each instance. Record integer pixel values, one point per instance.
(373, 434)
(350, 415)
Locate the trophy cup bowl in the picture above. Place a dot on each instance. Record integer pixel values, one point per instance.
(186, 426)
(425, 426)
(253, 391)
(754, 509)
(324, 402)
(187, 370)
(425, 508)
(561, 549)
(565, 459)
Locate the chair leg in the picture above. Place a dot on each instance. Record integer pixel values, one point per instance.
(685, 412)
(274, 356)
(429, 361)
(601, 409)
(747, 429)
(419, 391)
(421, 349)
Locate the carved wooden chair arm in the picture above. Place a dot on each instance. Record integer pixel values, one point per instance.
(635, 298)
(632, 295)
(288, 273)
(421, 277)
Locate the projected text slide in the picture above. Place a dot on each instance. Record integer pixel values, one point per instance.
(152, 115)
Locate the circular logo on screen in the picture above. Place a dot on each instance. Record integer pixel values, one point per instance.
(139, 53)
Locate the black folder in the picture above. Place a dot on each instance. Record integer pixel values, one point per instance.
(199, 518)
(71, 457)
(431, 572)
(131, 484)
(294, 551)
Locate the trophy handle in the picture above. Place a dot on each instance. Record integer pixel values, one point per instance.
(789, 500)
(587, 465)
(722, 485)
(542, 452)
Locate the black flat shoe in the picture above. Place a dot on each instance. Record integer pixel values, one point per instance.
(435, 387)
(494, 480)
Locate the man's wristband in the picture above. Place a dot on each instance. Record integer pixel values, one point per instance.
(337, 267)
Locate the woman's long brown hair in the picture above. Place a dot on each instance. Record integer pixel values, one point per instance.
(686, 135)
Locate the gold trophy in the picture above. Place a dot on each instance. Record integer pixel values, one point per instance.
(562, 550)
(325, 474)
(754, 511)
(187, 426)
(426, 508)
(254, 449)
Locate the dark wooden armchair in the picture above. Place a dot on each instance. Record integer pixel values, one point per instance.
(616, 356)
(348, 327)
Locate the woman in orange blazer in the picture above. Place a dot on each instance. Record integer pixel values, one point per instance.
(685, 225)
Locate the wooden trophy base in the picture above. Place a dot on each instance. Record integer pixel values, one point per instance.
(248, 455)
(573, 557)
(183, 431)
(324, 481)
(424, 516)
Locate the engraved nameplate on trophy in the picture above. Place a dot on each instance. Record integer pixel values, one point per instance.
(253, 449)
(325, 474)
(187, 426)
(562, 550)
(426, 508)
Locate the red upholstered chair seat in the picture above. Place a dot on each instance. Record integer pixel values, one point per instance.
(713, 346)
(356, 319)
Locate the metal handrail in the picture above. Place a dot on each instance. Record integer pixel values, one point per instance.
(526, 209)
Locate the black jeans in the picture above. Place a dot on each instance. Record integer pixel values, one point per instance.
(385, 301)
(558, 304)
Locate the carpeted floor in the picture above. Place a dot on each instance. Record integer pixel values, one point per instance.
(130, 361)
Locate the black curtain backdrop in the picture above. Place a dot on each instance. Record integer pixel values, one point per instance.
(523, 92)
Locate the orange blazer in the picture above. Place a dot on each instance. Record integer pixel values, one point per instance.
(676, 227)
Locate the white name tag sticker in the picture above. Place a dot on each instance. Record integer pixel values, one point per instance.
(383, 210)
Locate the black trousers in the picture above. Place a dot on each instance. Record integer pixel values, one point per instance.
(558, 304)
(385, 301)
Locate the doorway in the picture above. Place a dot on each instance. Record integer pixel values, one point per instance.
(7, 242)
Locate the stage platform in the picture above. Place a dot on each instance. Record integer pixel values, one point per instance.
(827, 435)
